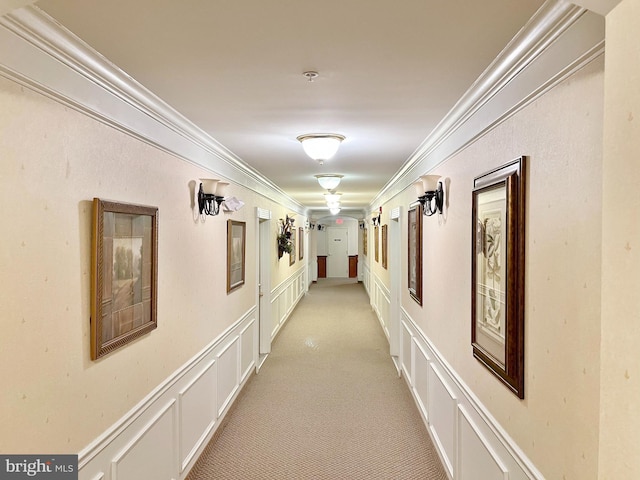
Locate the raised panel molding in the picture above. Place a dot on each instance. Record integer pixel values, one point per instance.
(381, 302)
(470, 441)
(197, 412)
(229, 376)
(284, 299)
(150, 453)
(442, 406)
(180, 416)
(477, 459)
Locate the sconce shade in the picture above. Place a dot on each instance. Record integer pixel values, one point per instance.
(329, 181)
(321, 146)
(221, 188)
(429, 183)
(419, 186)
(209, 185)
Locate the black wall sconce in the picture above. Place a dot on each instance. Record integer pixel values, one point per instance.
(361, 224)
(210, 196)
(430, 194)
(376, 218)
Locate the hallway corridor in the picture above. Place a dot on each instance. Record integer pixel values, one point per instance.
(327, 403)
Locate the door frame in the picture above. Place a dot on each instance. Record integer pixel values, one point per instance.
(263, 284)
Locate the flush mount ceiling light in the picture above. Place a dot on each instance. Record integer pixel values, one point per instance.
(329, 181)
(334, 211)
(321, 146)
(332, 197)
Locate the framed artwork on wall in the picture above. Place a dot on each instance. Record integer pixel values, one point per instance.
(236, 250)
(414, 221)
(301, 243)
(384, 246)
(376, 242)
(365, 235)
(497, 272)
(124, 274)
(292, 254)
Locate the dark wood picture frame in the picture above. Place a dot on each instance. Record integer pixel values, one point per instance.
(292, 255)
(124, 274)
(236, 254)
(300, 243)
(497, 272)
(385, 255)
(414, 240)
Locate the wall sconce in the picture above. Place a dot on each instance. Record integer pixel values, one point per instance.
(430, 194)
(210, 196)
(376, 218)
(361, 224)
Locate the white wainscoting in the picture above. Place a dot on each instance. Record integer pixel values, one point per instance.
(162, 437)
(366, 277)
(381, 302)
(470, 442)
(284, 299)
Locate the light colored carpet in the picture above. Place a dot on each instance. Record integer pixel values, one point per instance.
(327, 403)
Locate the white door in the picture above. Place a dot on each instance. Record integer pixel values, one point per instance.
(337, 259)
(264, 286)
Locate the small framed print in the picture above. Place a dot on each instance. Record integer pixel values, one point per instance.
(414, 220)
(384, 246)
(124, 274)
(300, 243)
(236, 249)
(497, 271)
(292, 254)
(365, 235)
(376, 242)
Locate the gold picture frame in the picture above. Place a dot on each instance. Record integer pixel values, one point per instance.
(365, 241)
(384, 247)
(497, 272)
(236, 251)
(124, 274)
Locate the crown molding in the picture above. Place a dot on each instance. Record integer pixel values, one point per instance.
(558, 40)
(43, 55)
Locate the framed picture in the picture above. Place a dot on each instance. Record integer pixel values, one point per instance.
(292, 255)
(124, 274)
(414, 220)
(236, 239)
(301, 243)
(376, 242)
(497, 272)
(384, 246)
(365, 235)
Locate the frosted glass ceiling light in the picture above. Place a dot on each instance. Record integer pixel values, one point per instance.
(334, 211)
(321, 146)
(329, 181)
(332, 197)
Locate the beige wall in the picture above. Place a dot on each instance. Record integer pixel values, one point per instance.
(561, 132)
(54, 161)
(620, 365)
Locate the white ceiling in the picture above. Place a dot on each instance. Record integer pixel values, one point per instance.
(389, 72)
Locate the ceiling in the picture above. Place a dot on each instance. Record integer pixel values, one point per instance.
(389, 71)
